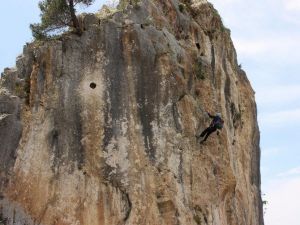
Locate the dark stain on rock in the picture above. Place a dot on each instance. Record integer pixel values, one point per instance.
(176, 117)
(166, 206)
(190, 82)
(41, 78)
(227, 87)
(213, 63)
(128, 206)
(77, 148)
(115, 76)
(53, 141)
(111, 177)
(108, 131)
(66, 143)
(53, 138)
(3, 220)
(200, 215)
(147, 86)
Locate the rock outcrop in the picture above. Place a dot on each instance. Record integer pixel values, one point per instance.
(100, 129)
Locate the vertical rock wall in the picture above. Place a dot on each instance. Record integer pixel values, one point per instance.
(100, 129)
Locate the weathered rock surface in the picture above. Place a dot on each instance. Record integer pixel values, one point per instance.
(100, 129)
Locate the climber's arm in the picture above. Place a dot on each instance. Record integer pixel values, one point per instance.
(211, 116)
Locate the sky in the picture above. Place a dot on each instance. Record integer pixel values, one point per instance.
(266, 34)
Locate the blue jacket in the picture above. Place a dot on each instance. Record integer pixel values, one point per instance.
(216, 119)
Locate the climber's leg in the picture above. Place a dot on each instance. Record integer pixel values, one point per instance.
(204, 132)
(209, 131)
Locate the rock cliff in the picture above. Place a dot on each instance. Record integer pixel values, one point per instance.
(99, 129)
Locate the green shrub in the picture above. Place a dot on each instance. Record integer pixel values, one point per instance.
(200, 71)
(56, 17)
(19, 89)
(27, 90)
(181, 7)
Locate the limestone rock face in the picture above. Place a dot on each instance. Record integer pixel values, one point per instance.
(100, 129)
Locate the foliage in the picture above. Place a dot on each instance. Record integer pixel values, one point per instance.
(200, 70)
(181, 7)
(19, 89)
(124, 3)
(27, 90)
(264, 203)
(3, 220)
(56, 16)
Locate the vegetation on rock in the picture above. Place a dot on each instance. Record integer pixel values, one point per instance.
(57, 15)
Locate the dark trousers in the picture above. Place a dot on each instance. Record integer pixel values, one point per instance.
(207, 132)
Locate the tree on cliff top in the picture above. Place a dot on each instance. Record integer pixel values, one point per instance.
(56, 15)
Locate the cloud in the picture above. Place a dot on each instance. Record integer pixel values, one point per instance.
(283, 197)
(278, 94)
(263, 30)
(277, 119)
(272, 47)
(270, 152)
(292, 5)
(291, 11)
(224, 2)
(251, 47)
(291, 172)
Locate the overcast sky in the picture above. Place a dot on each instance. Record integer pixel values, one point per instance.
(266, 34)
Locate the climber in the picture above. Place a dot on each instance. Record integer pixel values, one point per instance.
(216, 124)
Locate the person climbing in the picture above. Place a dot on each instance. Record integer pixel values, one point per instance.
(216, 124)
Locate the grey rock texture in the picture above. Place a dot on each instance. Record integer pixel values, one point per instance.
(100, 129)
(10, 132)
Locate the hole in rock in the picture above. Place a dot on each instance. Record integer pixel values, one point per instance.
(142, 26)
(93, 85)
(198, 45)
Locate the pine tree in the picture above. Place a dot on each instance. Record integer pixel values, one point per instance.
(56, 15)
